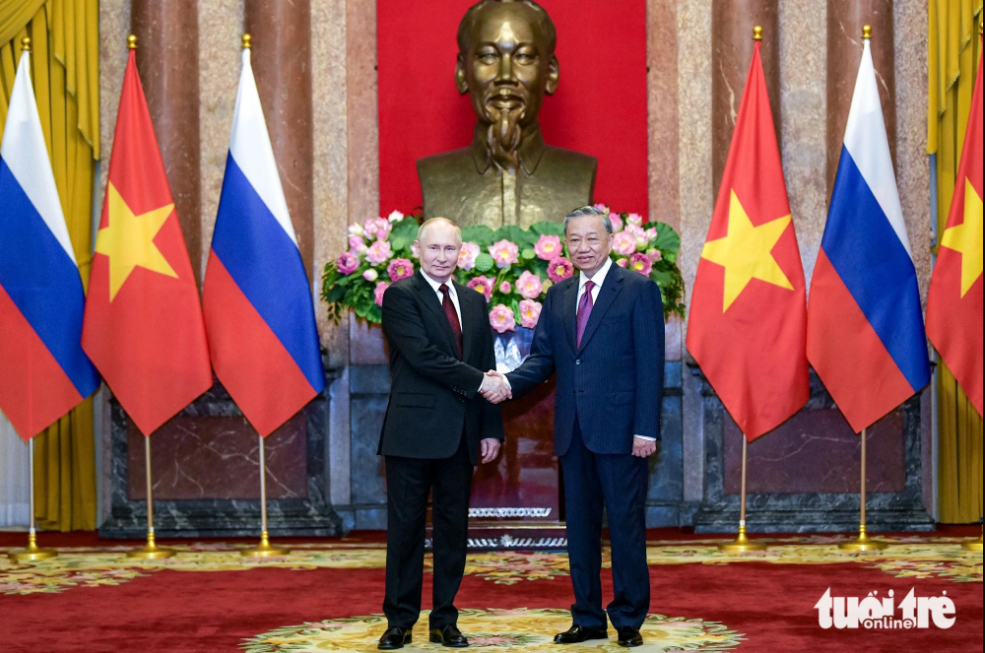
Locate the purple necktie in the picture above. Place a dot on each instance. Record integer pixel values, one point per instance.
(585, 310)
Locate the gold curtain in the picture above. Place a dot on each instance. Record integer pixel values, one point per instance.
(65, 66)
(955, 50)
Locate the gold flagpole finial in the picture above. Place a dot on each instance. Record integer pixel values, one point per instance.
(131, 42)
(26, 44)
(247, 42)
(867, 32)
(757, 33)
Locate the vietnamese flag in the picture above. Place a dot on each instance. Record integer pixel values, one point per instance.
(143, 324)
(954, 308)
(748, 322)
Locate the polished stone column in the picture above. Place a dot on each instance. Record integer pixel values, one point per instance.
(282, 65)
(732, 48)
(846, 18)
(167, 57)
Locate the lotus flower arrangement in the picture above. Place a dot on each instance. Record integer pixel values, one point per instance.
(512, 267)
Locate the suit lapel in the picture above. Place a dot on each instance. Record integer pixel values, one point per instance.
(607, 295)
(471, 315)
(570, 308)
(430, 299)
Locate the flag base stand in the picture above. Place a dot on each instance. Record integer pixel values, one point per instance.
(265, 550)
(742, 544)
(151, 551)
(864, 543)
(973, 545)
(33, 553)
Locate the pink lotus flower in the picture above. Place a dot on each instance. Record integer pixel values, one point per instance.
(560, 269)
(639, 233)
(380, 290)
(635, 219)
(641, 263)
(502, 319)
(357, 245)
(483, 285)
(378, 228)
(401, 268)
(624, 243)
(623, 262)
(529, 285)
(616, 221)
(466, 260)
(655, 255)
(505, 253)
(396, 216)
(530, 313)
(603, 208)
(371, 275)
(355, 230)
(548, 248)
(505, 288)
(379, 252)
(347, 264)
(651, 234)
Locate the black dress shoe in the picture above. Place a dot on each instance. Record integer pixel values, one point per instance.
(577, 635)
(449, 637)
(394, 639)
(630, 638)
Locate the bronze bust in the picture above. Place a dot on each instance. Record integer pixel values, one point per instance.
(509, 176)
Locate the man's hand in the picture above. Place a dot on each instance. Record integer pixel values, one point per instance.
(490, 450)
(495, 389)
(643, 448)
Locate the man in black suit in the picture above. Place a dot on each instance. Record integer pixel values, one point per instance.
(437, 427)
(603, 333)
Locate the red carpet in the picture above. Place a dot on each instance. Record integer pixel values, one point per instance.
(210, 603)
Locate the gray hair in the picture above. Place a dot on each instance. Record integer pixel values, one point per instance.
(589, 212)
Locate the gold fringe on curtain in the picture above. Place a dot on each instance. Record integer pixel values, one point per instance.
(65, 64)
(955, 50)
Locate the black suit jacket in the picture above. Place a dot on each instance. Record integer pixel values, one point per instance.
(613, 383)
(434, 396)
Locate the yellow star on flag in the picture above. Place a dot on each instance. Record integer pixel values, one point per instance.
(128, 241)
(746, 253)
(966, 239)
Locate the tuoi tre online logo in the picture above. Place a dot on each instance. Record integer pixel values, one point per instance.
(873, 613)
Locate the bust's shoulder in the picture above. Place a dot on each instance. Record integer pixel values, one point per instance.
(452, 160)
(579, 160)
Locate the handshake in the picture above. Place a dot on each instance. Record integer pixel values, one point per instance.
(495, 388)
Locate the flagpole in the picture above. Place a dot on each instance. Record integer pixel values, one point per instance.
(864, 542)
(151, 551)
(32, 553)
(265, 550)
(743, 544)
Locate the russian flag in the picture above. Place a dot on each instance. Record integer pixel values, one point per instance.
(865, 335)
(259, 311)
(45, 373)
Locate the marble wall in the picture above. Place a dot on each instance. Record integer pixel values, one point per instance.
(344, 179)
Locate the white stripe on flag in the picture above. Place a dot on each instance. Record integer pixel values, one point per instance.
(26, 154)
(867, 142)
(251, 149)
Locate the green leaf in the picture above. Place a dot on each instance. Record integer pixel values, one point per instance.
(529, 254)
(484, 263)
(548, 229)
(668, 241)
(517, 235)
(481, 235)
(404, 234)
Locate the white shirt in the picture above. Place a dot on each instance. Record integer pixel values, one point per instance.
(598, 280)
(452, 293)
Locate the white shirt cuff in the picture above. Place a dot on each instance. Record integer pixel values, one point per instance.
(643, 437)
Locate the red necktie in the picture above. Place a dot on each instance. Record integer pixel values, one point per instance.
(452, 315)
(585, 307)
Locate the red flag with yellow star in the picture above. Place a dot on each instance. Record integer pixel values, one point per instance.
(748, 322)
(954, 308)
(143, 324)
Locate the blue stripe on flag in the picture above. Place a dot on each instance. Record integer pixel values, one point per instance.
(874, 265)
(43, 282)
(267, 267)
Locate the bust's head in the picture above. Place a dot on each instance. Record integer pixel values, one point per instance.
(506, 62)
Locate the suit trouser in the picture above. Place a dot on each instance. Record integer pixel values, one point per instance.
(619, 484)
(409, 483)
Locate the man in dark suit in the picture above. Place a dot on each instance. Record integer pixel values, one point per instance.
(602, 332)
(437, 427)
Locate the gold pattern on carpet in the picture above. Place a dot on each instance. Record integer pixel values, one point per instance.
(520, 629)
